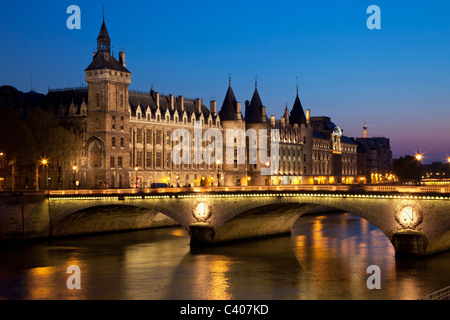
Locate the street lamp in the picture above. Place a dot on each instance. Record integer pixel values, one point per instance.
(74, 168)
(419, 157)
(218, 172)
(44, 162)
(136, 171)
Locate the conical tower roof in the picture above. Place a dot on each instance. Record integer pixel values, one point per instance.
(253, 113)
(228, 110)
(297, 114)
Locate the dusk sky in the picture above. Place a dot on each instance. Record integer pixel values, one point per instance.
(395, 79)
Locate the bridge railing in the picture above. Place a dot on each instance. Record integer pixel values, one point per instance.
(443, 294)
(283, 188)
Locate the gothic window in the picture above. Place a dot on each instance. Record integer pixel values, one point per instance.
(113, 142)
(158, 160)
(121, 123)
(168, 159)
(111, 162)
(122, 142)
(149, 136)
(97, 100)
(119, 162)
(149, 159)
(139, 158)
(113, 122)
(168, 138)
(138, 135)
(158, 137)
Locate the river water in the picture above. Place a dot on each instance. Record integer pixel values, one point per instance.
(326, 257)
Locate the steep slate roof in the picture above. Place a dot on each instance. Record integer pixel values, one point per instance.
(144, 100)
(253, 113)
(228, 110)
(54, 100)
(100, 62)
(348, 140)
(297, 114)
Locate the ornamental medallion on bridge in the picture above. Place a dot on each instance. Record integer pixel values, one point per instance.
(409, 217)
(201, 211)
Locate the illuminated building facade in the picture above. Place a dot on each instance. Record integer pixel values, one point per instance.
(127, 135)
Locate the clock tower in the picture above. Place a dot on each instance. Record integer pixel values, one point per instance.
(107, 145)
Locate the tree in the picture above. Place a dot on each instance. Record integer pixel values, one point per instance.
(407, 169)
(44, 137)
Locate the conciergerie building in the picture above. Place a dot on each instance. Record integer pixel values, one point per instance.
(128, 143)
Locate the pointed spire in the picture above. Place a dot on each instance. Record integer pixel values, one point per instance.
(103, 39)
(297, 114)
(229, 106)
(254, 112)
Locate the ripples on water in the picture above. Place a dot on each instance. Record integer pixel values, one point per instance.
(326, 257)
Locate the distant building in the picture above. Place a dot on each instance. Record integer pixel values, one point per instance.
(374, 159)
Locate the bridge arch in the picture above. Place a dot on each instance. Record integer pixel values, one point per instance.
(88, 217)
(277, 215)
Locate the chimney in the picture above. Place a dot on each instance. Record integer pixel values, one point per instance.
(263, 113)
(307, 117)
(212, 107)
(286, 115)
(171, 102)
(238, 110)
(157, 99)
(272, 121)
(198, 105)
(283, 122)
(181, 102)
(122, 58)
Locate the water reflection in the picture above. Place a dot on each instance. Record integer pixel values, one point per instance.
(325, 258)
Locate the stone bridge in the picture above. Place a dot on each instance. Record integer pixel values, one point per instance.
(415, 219)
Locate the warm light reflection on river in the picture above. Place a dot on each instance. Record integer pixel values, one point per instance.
(325, 258)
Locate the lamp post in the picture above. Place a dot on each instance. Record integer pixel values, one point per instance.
(270, 176)
(419, 158)
(136, 175)
(44, 162)
(74, 169)
(218, 172)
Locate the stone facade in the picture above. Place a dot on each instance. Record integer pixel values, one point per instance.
(128, 143)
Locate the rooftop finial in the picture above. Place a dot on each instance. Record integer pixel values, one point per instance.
(229, 79)
(297, 83)
(103, 10)
(256, 81)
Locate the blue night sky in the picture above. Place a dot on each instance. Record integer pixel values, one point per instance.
(397, 79)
